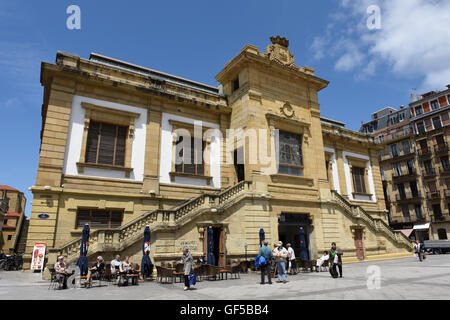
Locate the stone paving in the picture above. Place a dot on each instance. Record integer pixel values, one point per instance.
(405, 278)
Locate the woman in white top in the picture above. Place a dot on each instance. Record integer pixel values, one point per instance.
(321, 260)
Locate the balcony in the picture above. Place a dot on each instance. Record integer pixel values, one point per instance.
(424, 152)
(439, 217)
(445, 169)
(433, 195)
(408, 196)
(408, 174)
(392, 136)
(427, 173)
(388, 156)
(441, 148)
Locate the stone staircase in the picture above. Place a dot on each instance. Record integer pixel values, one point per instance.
(116, 240)
(376, 224)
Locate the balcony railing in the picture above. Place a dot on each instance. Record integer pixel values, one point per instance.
(389, 155)
(408, 173)
(441, 148)
(391, 136)
(408, 196)
(445, 169)
(424, 152)
(439, 217)
(429, 172)
(434, 195)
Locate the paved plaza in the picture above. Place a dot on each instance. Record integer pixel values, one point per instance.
(405, 278)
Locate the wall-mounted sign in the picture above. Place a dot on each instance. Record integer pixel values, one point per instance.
(43, 216)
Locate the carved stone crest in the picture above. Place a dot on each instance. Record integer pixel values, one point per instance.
(279, 51)
(287, 110)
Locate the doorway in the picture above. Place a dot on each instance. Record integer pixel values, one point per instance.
(289, 232)
(238, 158)
(219, 250)
(359, 244)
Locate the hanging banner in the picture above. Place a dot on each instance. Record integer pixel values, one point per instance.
(37, 260)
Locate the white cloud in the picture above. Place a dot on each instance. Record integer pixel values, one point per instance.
(414, 39)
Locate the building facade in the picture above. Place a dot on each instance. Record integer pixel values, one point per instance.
(110, 156)
(13, 218)
(414, 165)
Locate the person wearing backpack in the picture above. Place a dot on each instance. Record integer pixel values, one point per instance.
(266, 253)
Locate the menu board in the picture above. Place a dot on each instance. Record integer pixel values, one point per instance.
(37, 259)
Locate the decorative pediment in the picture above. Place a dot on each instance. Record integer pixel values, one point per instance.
(279, 52)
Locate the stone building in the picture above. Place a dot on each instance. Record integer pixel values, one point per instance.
(414, 164)
(110, 143)
(13, 218)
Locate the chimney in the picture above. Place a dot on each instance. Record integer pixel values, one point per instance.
(413, 97)
(401, 107)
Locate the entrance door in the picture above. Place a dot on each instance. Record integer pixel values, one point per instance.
(359, 244)
(239, 164)
(219, 249)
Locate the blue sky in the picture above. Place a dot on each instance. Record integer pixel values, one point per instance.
(367, 69)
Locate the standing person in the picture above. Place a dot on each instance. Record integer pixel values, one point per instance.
(280, 255)
(61, 271)
(418, 249)
(336, 253)
(265, 252)
(188, 262)
(291, 265)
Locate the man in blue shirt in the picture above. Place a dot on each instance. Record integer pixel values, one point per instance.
(265, 252)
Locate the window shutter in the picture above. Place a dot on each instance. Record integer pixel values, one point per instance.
(92, 142)
(120, 146)
(82, 218)
(116, 219)
(107, 143)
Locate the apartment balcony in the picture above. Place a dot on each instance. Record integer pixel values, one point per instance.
(430, 173)
(433, 195)
(400, 154)
(424, 153)
(412, 173)
(408, 196)
(444, 169)
(393, 136)
(441, 148)
(440, 217)
(447, 193)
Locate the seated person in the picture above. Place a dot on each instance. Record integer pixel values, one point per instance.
(115, 265)
(96, 270)
(202, 259)
(321, 260)
(126, 266)
(61, 271)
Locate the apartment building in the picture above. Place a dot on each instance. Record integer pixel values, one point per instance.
(414, 164)
(13, 218)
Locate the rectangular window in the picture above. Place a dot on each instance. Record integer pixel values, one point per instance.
(445, 163)
(106, 144)
(413, 188)
(434, 105)
(405, 212)
(410, 166)
(437, 122)
(423, 145)
(406, 147)
(398, 169)
(359, 184)
(99, 219)
(191, 163)
(235, 84)
(420, 127)
(418, 110)
(428, 167)
(290, 154)
(401, 191)
(393, 150)
(418, 211)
